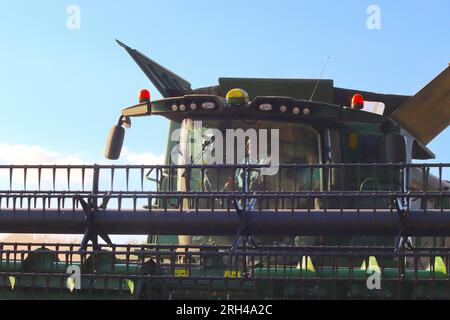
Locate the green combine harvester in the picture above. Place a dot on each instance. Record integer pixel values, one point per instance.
(271, 189)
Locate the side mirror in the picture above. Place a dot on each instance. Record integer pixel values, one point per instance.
(115, 142)
(396, 148)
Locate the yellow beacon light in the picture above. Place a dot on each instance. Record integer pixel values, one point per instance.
(237, 97)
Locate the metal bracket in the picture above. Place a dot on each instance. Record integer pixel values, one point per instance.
(91, 234)
(403, 241)
(241, 235)
(242, 211)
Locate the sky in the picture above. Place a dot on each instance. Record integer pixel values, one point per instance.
(61, 89)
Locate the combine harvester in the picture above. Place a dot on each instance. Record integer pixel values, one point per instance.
(335, 210)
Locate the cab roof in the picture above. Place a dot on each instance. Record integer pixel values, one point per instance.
(424, 115)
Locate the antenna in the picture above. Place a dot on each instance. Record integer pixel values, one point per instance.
(320, 78)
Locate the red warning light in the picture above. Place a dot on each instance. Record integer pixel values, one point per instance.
(357, 102)
(144, 96)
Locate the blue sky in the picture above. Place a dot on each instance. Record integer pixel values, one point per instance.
(62, 89)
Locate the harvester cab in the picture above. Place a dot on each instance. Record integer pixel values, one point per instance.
(306, 136)
(311, 122)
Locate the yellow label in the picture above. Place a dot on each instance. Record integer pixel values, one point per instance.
(130, 285)
(12, 281)
(70, 284)
(307, 264)
(353, 141)
(181, 273)
(232, 274)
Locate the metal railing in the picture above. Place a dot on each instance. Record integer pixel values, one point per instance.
(179, 272)
(353, 199)
(343, 224)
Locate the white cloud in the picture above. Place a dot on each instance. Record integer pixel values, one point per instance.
(20, 154)
(146, 158)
